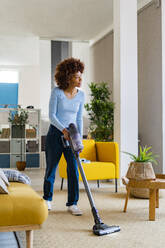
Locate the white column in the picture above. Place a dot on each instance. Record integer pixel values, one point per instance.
(163, 83)
(81, 51)
(45, 76)
(125, 86)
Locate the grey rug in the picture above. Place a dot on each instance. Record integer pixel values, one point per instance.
(9, 240)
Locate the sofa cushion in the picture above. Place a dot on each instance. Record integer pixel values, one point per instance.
(89, 151)
(22, 206)
(105, 170)
(16, 176)
(3, 187)
(4, 178)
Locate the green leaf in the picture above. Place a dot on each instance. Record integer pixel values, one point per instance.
(145, 155)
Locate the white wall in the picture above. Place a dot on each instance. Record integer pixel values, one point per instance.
(29, 86)
(19, 51)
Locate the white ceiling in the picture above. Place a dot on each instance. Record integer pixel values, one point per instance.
(56, 19)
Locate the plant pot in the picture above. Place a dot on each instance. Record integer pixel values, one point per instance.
(18, 131)
(140, 171)
(21, 165)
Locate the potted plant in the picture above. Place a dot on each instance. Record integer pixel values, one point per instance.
(101, 112)
(140, 168)
(18, 118)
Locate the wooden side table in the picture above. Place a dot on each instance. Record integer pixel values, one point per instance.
(152, 185)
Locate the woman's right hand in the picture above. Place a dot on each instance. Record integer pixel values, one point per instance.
(65, 133)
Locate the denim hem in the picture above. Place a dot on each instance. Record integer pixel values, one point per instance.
(70, 204)
(47, 198)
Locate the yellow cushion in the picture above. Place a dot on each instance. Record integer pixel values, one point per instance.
(108, 152)
(22, 206)
(89, 151)
(99, 170)
(93, 170)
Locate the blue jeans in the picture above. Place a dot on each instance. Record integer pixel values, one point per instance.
(54, 150)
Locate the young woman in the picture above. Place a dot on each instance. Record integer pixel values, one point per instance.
(65, 107)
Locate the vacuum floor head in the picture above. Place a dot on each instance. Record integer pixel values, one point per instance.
(103, 229)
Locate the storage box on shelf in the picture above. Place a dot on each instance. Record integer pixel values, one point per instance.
(20, 144)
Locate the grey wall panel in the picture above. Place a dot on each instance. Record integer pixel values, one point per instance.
(59, 51)
(101, 59)
(64, 50)
(55, 58)
(150, 80)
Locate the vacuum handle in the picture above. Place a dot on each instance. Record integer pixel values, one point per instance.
(64, 142)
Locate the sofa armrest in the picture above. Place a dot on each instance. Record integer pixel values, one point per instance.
(108, 152)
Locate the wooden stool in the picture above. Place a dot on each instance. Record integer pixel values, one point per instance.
(152, 185)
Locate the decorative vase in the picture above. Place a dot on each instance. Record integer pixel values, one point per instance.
(18, 131)
(140, 171)
(21, 165)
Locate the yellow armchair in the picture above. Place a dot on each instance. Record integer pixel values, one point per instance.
(104, 157)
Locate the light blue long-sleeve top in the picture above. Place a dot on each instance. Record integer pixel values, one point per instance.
(63, 111)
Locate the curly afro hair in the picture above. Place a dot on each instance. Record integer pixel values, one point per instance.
(65, 70)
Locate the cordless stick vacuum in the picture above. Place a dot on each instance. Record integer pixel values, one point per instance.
(76, 145)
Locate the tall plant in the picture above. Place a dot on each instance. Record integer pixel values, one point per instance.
(101, 112)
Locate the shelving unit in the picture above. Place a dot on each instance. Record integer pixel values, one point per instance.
(20, 147)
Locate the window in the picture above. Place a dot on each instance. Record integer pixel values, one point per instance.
(9, 81)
